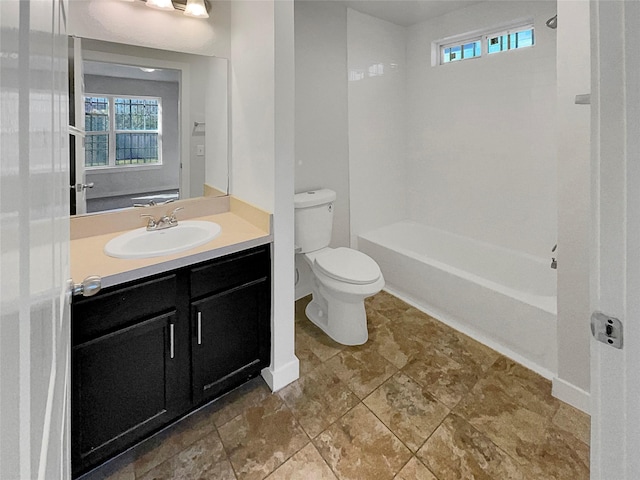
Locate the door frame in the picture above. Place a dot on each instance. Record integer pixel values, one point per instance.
(615, 238)
(77, 131)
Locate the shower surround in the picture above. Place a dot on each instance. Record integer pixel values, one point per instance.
(467, 149)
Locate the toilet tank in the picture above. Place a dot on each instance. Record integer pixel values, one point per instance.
(313, 219)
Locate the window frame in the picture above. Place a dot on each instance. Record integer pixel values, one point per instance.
(483, 36)
(112, 132)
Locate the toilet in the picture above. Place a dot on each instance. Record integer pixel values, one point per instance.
(342, 277)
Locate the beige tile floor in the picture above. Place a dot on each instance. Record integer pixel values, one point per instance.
(419, 401)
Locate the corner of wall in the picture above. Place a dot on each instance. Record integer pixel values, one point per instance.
(262, 38)
(574, 204)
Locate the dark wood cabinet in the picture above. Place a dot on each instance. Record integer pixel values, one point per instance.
(123, 387)
(229, 337)
(146, 353)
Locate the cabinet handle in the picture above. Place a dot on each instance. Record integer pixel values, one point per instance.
(171, 338)
(199, 328)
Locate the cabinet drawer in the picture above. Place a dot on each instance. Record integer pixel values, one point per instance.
(113, 309)
(230, 271)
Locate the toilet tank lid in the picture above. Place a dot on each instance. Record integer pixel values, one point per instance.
(313, 198)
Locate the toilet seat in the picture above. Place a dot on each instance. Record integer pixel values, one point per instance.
(348, 265)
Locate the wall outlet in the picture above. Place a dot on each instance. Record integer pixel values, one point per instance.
(199, 150)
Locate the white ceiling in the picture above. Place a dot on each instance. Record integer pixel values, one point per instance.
(408, 12)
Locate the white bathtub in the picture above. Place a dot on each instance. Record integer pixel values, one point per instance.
(503, 298)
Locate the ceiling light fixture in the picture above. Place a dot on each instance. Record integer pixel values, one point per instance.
(196, 8)
(160, 4)
(190, 8)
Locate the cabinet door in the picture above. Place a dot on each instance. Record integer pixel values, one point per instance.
(122, 388)
(231, 340)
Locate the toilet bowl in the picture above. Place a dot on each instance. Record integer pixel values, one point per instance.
(343, 278)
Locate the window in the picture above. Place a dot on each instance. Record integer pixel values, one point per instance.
(461, 51)
(467, 46)
(122, 131)
(510, 40)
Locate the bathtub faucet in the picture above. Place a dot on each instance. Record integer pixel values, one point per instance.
(554, 262)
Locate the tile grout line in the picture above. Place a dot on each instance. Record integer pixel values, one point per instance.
(224, 449)
(310, 440)
(169, 435)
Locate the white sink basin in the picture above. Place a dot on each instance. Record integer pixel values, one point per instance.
(141, 243)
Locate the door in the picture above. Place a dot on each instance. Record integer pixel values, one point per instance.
(34, 241)
(615, 266)
(229, 331)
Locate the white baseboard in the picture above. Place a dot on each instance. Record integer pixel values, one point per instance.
(283, 376)
(570, 394)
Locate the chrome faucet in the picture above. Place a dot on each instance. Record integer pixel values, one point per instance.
(554, 262)
(166, 221)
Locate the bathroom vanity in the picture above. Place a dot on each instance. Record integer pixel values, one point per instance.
(148, 349)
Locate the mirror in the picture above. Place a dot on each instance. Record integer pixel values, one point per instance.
(155, 125)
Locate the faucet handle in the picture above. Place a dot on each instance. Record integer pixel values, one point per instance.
(554, 248)
(172, 215)
(152, 221)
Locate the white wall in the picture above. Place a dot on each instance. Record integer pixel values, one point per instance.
(481, 133)
(134, 23)
(217, 139)
(377, 129)
(574, 77)
(321, 127)
(209, 106)
(252, 102)
(198, 110)
(262, 108)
